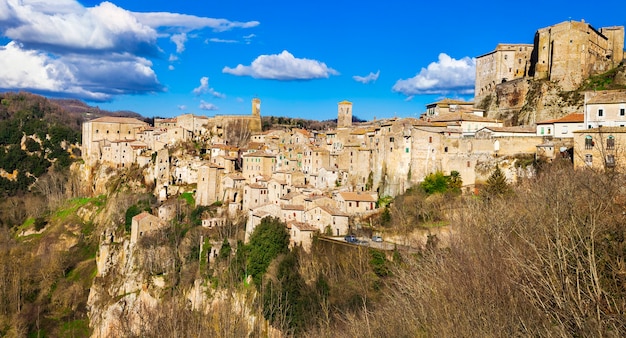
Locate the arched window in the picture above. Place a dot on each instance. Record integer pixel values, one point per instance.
(588, 142)
(610, 142)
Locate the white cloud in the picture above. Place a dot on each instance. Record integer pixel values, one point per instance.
(441, 77)
(239, 99)
(68, 26)
(165, 19)
(64, 48)
(172, 58)
(76, 75)
(182, 107)
(216, 40)
(283, 66)
(248, 38)
(170, 67)
(409, 98)
(371, 77)
(179, 40)
(207, 106)
(204, 88)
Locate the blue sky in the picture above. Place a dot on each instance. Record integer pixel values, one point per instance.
(165, 58)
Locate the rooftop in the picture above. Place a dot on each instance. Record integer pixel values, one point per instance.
(570, 118)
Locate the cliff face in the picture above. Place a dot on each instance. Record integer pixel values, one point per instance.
(527, 101)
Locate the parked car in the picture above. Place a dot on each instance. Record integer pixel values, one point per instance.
(350, 239)
(377, 239)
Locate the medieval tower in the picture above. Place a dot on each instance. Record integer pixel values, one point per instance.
(344, 114)
(256, 107)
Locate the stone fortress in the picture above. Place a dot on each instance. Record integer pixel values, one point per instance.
(330, 181)
(568, 53)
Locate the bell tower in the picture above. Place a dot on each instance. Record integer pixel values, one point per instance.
(344, 114)
(256, 107)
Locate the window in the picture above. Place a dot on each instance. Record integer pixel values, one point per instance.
(622, 111)
(588, 159)
(445, 150)
(406, 150)
(430, 139)
(391, 139)
(610, 161)
(600, 112)
(589, 142)
(610, 142)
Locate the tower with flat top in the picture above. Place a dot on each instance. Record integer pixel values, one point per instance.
(256, 107)
(344, 114)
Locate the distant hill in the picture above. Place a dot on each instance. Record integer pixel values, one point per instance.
(38, 134)
(277, 122)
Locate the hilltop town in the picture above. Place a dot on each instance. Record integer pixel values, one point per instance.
(498, 216)
(328, 181)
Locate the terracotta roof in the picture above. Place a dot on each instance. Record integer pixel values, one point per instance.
(571, 118)
(141, 216)
(260, 213)
(257, 186)
(359, 131)
(303, 132)
(357, 196)
(303, 226)
(236, 176)
(608, 96)
(115, 119)
(516, 129)
(447, 102)
(292, 207)
(314, 197)
(138, 144)
(452, 117)
(290, 195)
(333, 211)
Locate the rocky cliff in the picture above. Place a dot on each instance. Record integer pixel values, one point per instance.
(527, 101)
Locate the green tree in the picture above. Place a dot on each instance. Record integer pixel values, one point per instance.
(268, 240)
(497, 184)
(435, 182)
(286, 301)
(225, 250)
(455, 181)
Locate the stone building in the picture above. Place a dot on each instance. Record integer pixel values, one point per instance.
(601, 148)
(144, 224)
(567, 53)
(606, 108)
(571, 51)
(209, 184)
(563, 127)
(356, 202)
(447, 106)
(507, 62)
(100, 132)
(258, 163)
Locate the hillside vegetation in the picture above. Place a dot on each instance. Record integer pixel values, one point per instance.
(542, 258)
